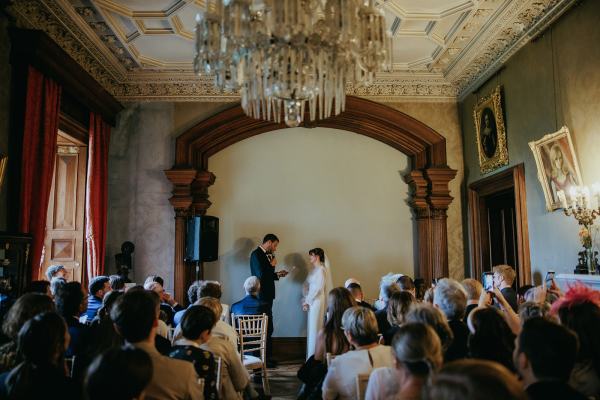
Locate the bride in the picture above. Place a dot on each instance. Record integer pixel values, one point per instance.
(317, 286)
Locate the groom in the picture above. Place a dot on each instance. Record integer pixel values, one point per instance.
(262, 265)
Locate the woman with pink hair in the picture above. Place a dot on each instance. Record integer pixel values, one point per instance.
(579, 310)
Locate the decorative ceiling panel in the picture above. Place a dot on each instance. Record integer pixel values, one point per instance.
(142, 50)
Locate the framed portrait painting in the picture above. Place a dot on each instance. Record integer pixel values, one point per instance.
(557, 165)
(490, 132)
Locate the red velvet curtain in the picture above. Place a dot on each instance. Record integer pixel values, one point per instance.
(39, 148)
(97, 196)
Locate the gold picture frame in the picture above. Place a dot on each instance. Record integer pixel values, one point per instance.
(490, 132)
(557, 165)
(3, 162)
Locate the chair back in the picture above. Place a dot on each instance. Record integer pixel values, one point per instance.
(219, 362)
(362, 380)
(70, 361)
(252, 333)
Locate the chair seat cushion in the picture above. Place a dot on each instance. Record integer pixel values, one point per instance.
(252, 362)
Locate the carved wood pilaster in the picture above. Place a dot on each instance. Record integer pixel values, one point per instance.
(430, 200)
(200, 202)
(181, 178)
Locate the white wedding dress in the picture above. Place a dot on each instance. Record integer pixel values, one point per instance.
(317, 286)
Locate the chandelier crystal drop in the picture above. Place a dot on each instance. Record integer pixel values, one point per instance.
(284, 55)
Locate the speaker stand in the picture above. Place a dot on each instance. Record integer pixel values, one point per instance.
(197, 271)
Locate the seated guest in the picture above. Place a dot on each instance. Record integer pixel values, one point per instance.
(192, 295)
(119, 374)
(71, 301)
(473, 289)
(235, 377)
(41, 374)
(221, 328)
(116, 282)
(42, 287)
(450, 298)
(26, 307)
(532, 309)
(56, 271)
(360, 328)
(429, 315)
(251, 304)
(135, 315)
(491, 337)
(579, 310)
(418, 353)
(473, 380)
(98, 287)
(544, 356)
(167, 303)
(398, 307)
(504, 276)
(387, 288)
(331, 338)
(521, 293)
(357, 293)
(102, 333)
(55, 284)
(406, 283)
(213, 289)
(196, 325)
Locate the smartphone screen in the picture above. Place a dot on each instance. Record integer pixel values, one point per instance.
(549, 278)
(488, 281)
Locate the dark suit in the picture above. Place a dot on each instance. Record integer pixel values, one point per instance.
(261, 267)
(264, 271)
(250, 305)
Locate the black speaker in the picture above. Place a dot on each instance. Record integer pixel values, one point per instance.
(202, 240)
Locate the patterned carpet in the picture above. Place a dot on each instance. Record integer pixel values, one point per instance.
(283, 381)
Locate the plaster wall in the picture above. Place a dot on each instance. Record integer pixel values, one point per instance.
(551, 82)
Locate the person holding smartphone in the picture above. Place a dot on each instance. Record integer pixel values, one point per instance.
(504, 276)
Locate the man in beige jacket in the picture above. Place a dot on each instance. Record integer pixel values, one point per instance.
(136, 318)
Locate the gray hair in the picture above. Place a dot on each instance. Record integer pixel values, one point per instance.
(361, 324)
(450, 297)
(55, 284)
(252, 285)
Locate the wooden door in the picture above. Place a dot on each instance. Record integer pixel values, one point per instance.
(65, 224)
(498, 230)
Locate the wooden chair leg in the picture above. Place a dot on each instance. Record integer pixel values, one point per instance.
(265, 381)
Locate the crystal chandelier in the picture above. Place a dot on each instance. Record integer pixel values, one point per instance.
(284, 54)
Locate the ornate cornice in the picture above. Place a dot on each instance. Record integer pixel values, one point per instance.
(478, 49)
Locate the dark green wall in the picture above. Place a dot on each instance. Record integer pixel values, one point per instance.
(551, 82)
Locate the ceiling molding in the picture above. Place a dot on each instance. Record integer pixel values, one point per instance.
(483, 36)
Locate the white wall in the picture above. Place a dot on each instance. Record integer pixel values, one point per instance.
(313, 188)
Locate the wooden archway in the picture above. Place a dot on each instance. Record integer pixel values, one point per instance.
(428, 178)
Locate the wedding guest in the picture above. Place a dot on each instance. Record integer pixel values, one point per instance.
(331, 338)
(102, 334)
(71, 302)
(56, 271)
(356, 291)
(119, 374)
(532, 309)
(504, 277)
(214, 289)
(545, 354)
(26, 307)
(250, 304)
(491, 338)
(398, 306)
(55, 284)
(360, 328)
(135, 315)
(42, 287)
(474, 380)
(168, 305)
(116, 282)
(426, 314)
(192, 295)
(418, 353)
(450, 298)
(196, 325)
(99, 286)
(579, 310)
(473, 289)
(406, 283)
(41, 375)
(386, 291)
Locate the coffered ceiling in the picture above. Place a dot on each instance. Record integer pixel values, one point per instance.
(142, 49)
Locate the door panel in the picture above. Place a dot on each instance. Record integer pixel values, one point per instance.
(65, 227)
